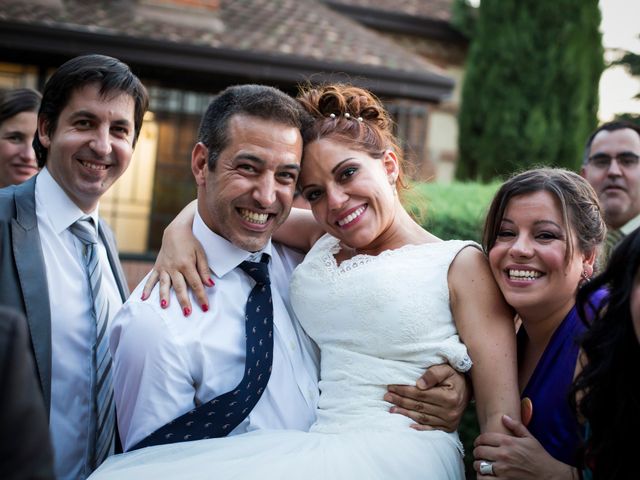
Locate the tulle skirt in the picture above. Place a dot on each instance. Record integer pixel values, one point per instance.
(289, 454)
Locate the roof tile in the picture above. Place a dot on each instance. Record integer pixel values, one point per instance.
(301, 28)
(430, 9)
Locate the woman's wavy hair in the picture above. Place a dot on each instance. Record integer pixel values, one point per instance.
(336, 110)
(607, 391)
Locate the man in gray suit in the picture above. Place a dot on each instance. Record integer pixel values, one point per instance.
(58, 260)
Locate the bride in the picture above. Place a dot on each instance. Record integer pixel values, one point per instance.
(383, 299)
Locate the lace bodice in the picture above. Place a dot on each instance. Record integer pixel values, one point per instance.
(378, 320)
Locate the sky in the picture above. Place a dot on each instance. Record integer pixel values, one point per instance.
(620, 29)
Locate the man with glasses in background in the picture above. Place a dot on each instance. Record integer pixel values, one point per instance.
(611, 167)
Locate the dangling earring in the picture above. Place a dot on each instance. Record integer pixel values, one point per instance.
(587, 271)
(392, 182)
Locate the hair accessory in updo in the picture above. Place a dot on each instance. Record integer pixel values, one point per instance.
(346, 115)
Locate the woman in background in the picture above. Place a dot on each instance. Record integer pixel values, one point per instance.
(18, 124)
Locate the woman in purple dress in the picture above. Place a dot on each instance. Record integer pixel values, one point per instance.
(542, 234)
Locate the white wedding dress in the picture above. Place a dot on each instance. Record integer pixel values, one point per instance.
(378, 320)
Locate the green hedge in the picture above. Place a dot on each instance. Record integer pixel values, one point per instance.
(451, 211)
(454, 211)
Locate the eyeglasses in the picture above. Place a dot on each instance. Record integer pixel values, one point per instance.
(603, 161)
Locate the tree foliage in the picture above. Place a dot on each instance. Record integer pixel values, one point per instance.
(530, 95)
(464, 17)
(631, 61)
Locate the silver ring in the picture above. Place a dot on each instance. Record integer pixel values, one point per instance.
(486, 468)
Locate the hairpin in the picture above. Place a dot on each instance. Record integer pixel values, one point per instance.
(347, 115)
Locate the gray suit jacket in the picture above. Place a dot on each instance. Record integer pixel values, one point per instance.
(23, 278)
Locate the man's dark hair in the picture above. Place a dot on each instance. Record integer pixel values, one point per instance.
(609, 127)
(260, 101)
(13, 102)
(110, 74)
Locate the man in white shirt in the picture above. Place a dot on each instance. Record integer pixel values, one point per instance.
(246, 164)
(612, 166)
(89, 120)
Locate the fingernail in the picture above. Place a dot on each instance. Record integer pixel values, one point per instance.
(163, 303)
(508, 418)
(387, 397)
(205, 307)
(391, 388)
(211, 284)
(186, 311)
(143, 296)
(421, 384)
(392, 410)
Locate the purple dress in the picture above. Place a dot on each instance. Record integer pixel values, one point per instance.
(554, 423)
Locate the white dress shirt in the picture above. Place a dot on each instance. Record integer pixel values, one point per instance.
(73, 327)
(165, 364)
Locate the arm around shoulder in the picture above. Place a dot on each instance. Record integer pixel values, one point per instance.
(485, 325)
(299, 231)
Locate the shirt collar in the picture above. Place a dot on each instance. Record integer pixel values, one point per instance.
(631, 225)
(57, 205)
(222, 255)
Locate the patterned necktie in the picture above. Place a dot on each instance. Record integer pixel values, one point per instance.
(218, 417)
(103, 405)
(611, 240)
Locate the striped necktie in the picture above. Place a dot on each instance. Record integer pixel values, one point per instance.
(103, 405)
(611, 240)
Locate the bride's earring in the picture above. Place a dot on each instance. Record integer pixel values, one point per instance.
(392, 182)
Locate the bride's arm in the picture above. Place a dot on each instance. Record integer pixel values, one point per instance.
(485, 325)
(182, 264)
(299, 231)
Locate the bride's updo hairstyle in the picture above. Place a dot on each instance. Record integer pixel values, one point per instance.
(352, 116)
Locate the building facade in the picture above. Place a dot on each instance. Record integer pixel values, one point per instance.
(185, 51)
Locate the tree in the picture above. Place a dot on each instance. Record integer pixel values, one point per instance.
(530, 95)
(631, 61)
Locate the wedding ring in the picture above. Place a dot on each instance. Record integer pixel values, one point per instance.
(486, 468)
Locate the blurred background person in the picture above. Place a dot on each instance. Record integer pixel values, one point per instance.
(25, 448)
(607, 391)
(611, 167)
(18, 124)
